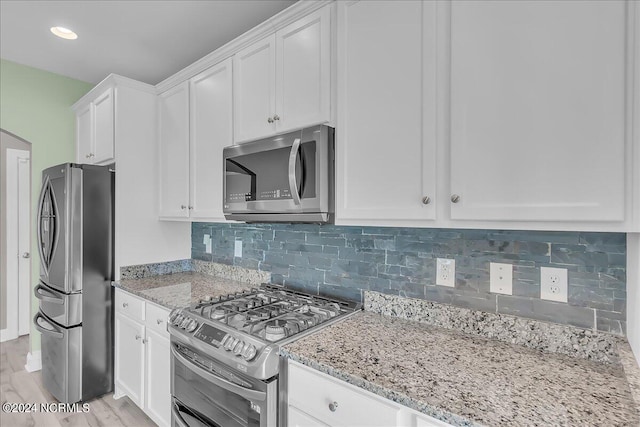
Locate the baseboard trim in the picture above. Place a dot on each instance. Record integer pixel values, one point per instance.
(34, 361)
(6, 336)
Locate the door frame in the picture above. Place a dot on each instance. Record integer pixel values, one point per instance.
(18, 241)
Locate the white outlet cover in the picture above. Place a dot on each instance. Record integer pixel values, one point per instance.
(501, 278)
(554, 284)
(446, 272)
(237, 250)
(207, 243)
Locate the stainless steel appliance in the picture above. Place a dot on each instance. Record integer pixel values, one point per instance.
(225, 366)
(286, 178)
(75, 243)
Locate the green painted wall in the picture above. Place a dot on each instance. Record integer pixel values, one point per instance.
(36, 106)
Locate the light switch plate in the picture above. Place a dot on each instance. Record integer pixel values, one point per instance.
(207, 243)
(237, 250)
(501, 278)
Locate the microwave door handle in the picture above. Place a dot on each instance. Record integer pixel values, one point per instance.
(293, 182)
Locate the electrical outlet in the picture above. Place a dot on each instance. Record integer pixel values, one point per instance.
(237, 249)
(501, 278)
(207, 243)
(446, 272)
(554, 284)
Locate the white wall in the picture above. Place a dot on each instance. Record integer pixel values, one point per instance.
(140, 237)
(633, 292)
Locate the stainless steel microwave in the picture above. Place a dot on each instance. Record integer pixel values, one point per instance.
(285, 178)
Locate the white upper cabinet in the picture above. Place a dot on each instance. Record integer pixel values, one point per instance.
(385, 135)
(283, 81)
(254, 90)
(538, 110)
(195, 125)
(95, 130)
(211, 131)
(303, 71)
(173, 109)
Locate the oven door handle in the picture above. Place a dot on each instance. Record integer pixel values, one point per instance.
(180, 422)
(293, 182)
(259, 396)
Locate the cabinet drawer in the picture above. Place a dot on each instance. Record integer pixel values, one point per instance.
(156, 318)
(312, 392)
(129, 305)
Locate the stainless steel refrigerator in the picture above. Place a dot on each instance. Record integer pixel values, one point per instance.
(75, 243)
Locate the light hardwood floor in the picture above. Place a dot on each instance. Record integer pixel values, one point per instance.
(20, 386)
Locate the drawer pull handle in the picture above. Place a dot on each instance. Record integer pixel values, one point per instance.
(333, 406)
(158, 321)
(125, 305)
(138, 337)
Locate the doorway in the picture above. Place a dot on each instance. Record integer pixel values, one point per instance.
(15, 309)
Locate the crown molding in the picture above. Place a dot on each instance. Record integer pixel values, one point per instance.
(260, 31)
(112, 80)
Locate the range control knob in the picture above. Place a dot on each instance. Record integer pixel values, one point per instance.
(185, 322)
(230, 344)
(224, 340)
(173, 315)
(249, 352)
(177, 319)
(192, 326)
(237, 349)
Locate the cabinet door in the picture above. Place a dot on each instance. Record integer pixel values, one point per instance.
(104, 127)
(158, 378)
(297, 418)
(84, 135)
(303, 72)
(385, 142)
(129, 358)
(538, 110)
(254, 90)
(211, 131)
(174, 151)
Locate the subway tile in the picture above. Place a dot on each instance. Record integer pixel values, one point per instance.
(401, 261)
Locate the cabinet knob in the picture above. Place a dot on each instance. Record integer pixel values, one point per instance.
(333, 406)
(455, 198)
(138, 337)
(276, 117)
(158, 321)
(183, 207)
(144, 341)
(125, 305)
(26, 255)
(190, 208)
(90, 155)
(426, 200)
(269, 120)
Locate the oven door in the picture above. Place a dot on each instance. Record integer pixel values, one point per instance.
(212, 395)
(285, 175)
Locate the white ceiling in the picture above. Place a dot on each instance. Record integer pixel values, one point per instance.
(144, 40)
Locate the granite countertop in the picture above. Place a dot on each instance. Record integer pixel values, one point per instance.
(180, 290)
(464, 379)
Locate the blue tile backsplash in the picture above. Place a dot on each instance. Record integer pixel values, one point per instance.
(342, 261)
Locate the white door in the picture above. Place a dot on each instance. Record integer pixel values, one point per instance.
(18, 217)
(158, 379)
(385, 138)
(104, 127)
(538, 110)
(129, 358)
(254, 90)
(173, 106)
(211, 130)
(303, 72)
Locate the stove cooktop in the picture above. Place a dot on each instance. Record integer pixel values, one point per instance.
(244, 329)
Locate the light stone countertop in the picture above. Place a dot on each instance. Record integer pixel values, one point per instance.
(180, 290)
(464, 379)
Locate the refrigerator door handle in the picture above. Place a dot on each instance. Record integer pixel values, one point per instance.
(54, 331)
(48, 295)
(43, 190)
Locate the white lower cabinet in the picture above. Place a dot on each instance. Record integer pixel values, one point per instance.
(316, 399)
(142, 356)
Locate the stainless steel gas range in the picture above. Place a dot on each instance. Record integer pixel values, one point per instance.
(225, 359)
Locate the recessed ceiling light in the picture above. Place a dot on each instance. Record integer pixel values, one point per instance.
(64, 33)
